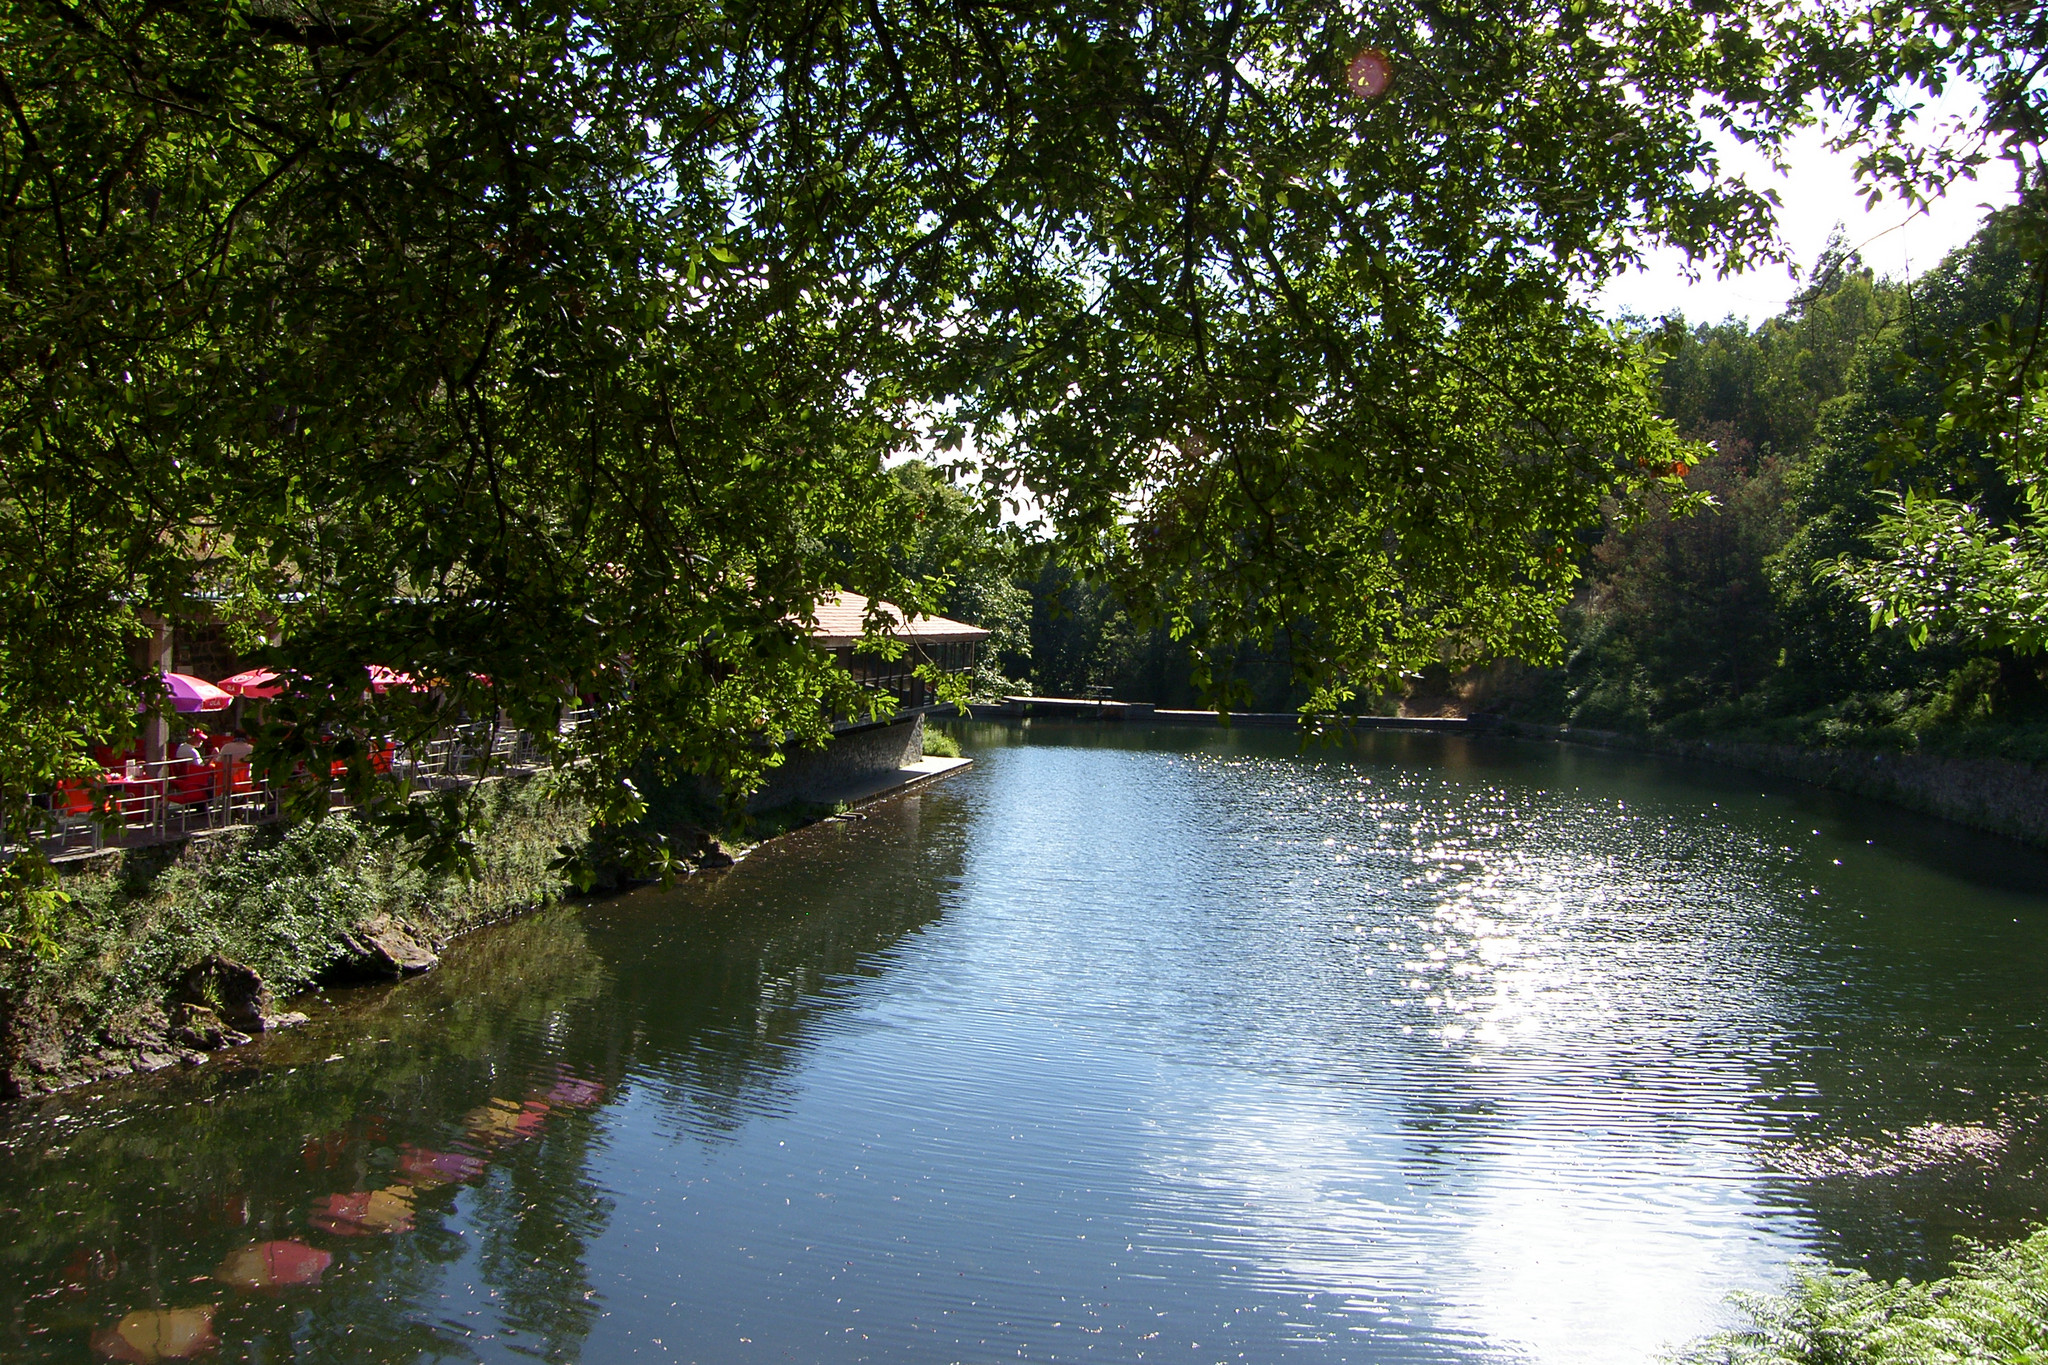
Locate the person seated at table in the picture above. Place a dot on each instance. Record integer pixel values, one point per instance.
(192, 748)
(192, 778)
(233, 756)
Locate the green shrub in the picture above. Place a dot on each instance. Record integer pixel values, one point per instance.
(1992, 1311)
(939, 744)
(279, 901)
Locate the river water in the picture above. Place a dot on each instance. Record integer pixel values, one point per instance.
(1124, 1045)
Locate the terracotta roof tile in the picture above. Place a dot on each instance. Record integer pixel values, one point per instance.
(842, 616)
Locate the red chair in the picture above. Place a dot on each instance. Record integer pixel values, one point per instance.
(380, 761)
(198, 782)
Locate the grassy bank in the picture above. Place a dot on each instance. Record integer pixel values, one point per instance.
(293, 906)
(1992, 1311)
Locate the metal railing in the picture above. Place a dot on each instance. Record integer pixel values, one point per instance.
(148, 803)
(898, 677)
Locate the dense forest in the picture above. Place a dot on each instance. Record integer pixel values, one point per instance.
(1731, 616)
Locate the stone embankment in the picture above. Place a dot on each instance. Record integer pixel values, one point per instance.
(169, 953)
(1144, 712)
(1994, 794)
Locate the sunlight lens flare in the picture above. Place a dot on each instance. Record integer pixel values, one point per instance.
(1370, 73)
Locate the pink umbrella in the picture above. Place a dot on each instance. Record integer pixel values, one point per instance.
(195, 694)
(260, 683)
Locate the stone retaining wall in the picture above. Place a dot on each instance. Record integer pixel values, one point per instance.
(1992, 794)
(817, 775)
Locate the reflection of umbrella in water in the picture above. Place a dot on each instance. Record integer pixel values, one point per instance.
(274, 1265)
(503, 1121)
(366, 1213)
(190, 694)
(158, 1334)
(88, 1266)
(572, 1092)
(427, 1168)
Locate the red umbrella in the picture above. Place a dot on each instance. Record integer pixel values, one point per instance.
(383, 679)
(264, 683)
(274, 1265)
(260, 683)
(195, 694)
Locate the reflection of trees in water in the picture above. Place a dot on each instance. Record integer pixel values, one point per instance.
(535, 1220)
(743, 967)
(1912, 1078)
(1873, 1030)
(372, 1310)
(118, 1202)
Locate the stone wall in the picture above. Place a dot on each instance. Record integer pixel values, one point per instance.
(1992, 794)
(203, 651)
(821, 776)
(1984, 793)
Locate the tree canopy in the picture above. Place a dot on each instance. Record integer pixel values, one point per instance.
(557, 348)
(1942, 559)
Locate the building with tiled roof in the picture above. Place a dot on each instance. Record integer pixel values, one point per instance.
(841, 620)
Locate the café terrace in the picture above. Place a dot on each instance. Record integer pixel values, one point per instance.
(173, 783)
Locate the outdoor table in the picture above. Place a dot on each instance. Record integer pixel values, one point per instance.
(136, 798)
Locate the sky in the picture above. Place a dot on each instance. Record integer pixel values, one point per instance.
(1819, 193)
